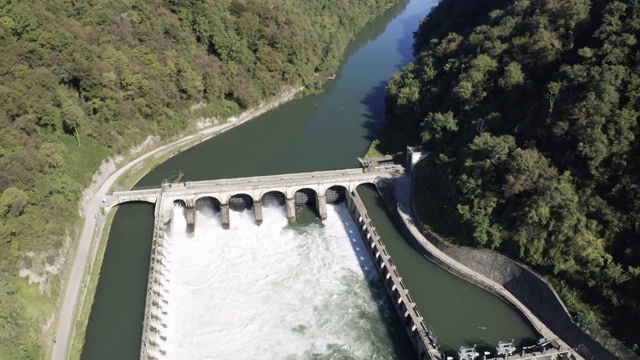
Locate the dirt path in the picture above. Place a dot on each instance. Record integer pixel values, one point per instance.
(91, 213)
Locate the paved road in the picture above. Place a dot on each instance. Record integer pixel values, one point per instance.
(92, 207)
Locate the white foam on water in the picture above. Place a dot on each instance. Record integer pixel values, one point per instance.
(270, 291)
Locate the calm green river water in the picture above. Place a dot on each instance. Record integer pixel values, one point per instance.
(321, 132)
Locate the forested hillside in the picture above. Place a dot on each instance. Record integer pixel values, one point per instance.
(82, 80)
(530, 109)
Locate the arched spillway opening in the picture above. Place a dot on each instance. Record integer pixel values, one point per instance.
(305, 198)
(336, 194)
(179, 217)
(240, 202)
(182, 205)
(208, 204)
(273, 199)
(209, 208)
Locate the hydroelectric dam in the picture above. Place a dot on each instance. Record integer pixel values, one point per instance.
(180, 202)
(316, 189)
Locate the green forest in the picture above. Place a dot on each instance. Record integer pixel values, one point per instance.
(83, 80)
(530, 111)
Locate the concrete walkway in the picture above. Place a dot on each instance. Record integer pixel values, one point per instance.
(403, 196)
(91, 210)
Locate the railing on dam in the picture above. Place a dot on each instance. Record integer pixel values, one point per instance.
(421, 337)
(147, 187)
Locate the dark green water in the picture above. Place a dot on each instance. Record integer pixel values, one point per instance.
(115, 324)
(326, 131)
(321, 132)
(459, 314)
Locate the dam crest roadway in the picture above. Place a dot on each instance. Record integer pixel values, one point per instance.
(252, 192)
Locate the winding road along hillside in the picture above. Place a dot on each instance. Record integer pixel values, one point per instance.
(91, 213)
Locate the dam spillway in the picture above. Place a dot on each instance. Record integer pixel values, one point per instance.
(213, 203)
(267, 291)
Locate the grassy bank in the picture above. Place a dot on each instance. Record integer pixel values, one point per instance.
(90, 283)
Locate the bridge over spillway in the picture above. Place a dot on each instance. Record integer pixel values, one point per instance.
(312, 188)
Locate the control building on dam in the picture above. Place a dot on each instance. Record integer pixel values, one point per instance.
(315, 189)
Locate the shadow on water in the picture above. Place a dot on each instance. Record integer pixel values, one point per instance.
(374, 29)
(374, 102)
(405, 44)
(374, 99)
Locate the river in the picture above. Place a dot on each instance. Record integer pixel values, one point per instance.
(320, 132)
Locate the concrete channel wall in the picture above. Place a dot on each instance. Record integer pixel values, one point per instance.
(151, 327)
(421, 337)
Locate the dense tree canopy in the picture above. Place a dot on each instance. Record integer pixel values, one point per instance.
(530, 109)
(82, 80)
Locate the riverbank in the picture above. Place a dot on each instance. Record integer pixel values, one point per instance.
(103, 181)
(401, 192)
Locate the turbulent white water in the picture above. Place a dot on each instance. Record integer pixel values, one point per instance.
(271, 291)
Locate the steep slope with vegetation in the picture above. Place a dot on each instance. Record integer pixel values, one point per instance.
(82, 80)
(530, 109)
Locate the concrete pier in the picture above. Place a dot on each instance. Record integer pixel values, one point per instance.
(257, 212)
(291, 210)
(321, 205)
(224, 215)
(190, 215)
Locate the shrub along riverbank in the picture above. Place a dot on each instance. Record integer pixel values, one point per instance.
(85, 80)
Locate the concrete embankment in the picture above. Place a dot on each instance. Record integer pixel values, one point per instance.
(151, 327)
(420, 336)
(515, 284)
